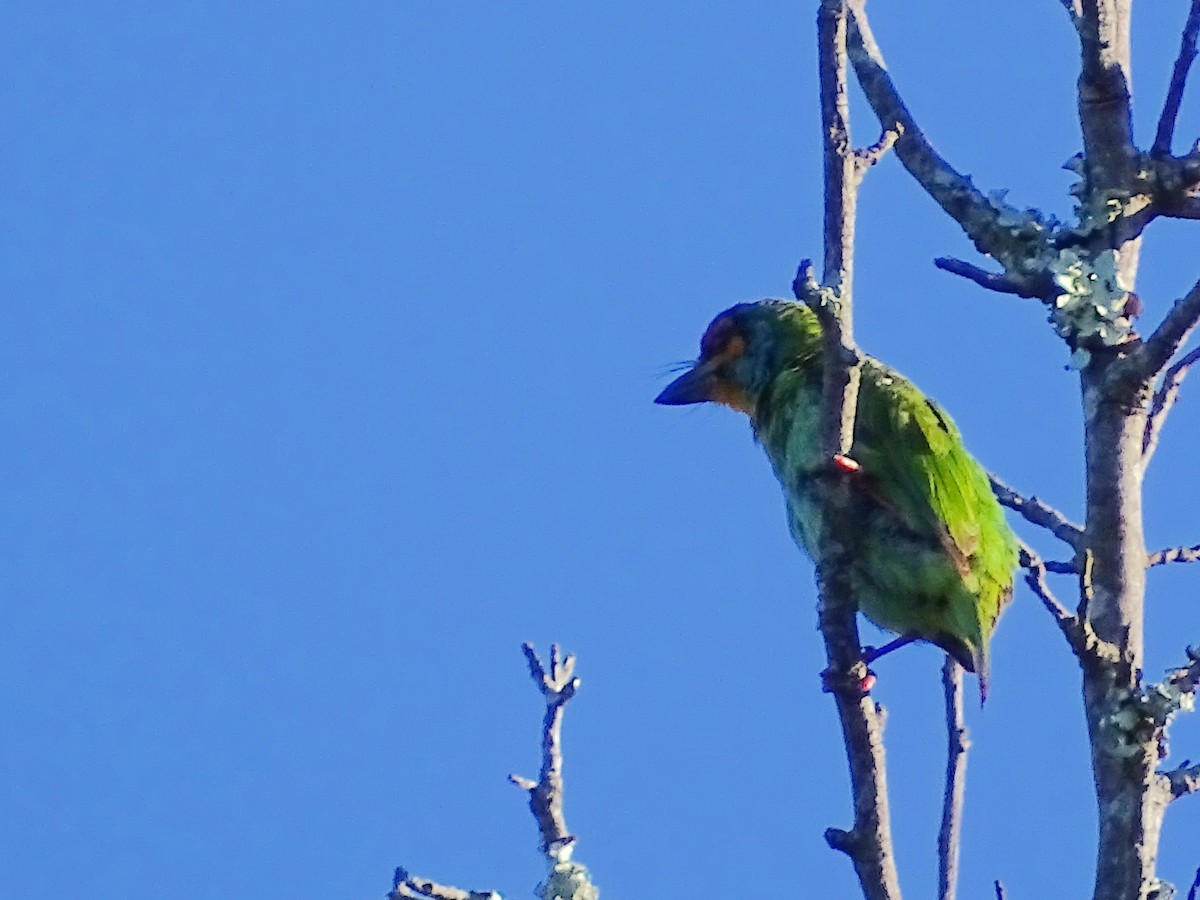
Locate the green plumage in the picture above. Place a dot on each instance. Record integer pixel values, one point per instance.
(933, 557)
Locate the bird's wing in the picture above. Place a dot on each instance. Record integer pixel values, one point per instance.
(917, 464)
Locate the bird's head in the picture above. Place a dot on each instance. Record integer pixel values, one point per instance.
(743, 350)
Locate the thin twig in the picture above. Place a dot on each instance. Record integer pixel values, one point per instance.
(1164, 399)
(1173, 555)
(993, 281)
(1179, 74)
(1034, 510)
(950, 835)
(411, 887)
(998, 884)
(1035, 577)
(1195, 886)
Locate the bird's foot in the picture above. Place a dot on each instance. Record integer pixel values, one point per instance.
(870, 654)
(857, 680)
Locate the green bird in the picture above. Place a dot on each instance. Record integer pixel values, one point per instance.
(933, 558)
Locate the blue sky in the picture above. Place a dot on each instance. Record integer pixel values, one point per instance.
(331, 333)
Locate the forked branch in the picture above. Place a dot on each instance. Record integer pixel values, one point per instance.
(565, 878)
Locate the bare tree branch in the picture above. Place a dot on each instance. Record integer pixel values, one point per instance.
(1034, 510)
(1179, 73)
(999, 282)
(1164, 399)
(1000, 887)
(957, 743)
(1173, 555)
(1182, 208)
(869, 843)
(1152, 357)
(411, 887)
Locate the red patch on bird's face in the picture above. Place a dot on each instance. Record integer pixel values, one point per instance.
(714, 338)
(721, 344)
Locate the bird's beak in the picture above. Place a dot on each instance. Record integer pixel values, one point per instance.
(693, 386)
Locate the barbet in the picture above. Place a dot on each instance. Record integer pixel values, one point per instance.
(932, 557)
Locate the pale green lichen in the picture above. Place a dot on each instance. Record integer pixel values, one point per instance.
(1091, 308)
(1144, 715)
(568, 881)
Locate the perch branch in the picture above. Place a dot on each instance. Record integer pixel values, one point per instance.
(997, 883)
(1179, 73)
(1192, 894)
(869, 843)
(957, 743)
(1164, 399)
(1034, 510)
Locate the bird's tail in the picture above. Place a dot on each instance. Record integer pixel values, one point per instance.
(982, 672)
(972, 658)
